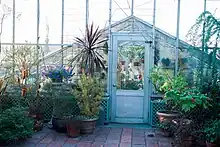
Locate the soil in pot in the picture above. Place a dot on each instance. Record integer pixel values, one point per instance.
(87, 126)
(72, 127)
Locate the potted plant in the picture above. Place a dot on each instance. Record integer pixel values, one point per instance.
(58, 75)
(182, 98)
(65, 107)
(89, 94)
(165, 61)
(212, 132)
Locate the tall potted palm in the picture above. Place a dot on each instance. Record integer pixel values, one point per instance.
(89, 51)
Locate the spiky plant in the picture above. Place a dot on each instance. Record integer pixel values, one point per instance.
(89, 55)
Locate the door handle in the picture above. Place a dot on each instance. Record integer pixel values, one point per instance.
(114, 85)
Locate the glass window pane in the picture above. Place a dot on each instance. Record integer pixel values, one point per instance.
(130, 66)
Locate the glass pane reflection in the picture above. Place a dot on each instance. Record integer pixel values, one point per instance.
(130, 67)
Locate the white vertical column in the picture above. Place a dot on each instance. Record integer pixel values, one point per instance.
(132, 7)
(87, 12)
(13, 38)
(109, 88)
(153, 31)
(38, 37)
(62, 30)
(177, 40)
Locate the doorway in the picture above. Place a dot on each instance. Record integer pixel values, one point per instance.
(129, 83)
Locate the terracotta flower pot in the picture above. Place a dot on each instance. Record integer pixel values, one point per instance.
(72, 127)
(208, 144)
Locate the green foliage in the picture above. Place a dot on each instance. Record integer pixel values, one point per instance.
(15, 125)
(211, 32)
(185, 98)
(132, 52)
(160, 79)
(130, 85)
(65, 106)
(89, 50)
(205, 36)
(212, 130)
(89, 94)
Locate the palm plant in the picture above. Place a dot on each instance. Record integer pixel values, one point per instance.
(89, 55)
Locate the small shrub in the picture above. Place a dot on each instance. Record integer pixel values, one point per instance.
(15, 125)
(89, 94)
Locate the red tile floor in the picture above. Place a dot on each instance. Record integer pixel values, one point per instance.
(102, 137)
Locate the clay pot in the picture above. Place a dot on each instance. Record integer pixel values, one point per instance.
(72, 127)
(167, 116)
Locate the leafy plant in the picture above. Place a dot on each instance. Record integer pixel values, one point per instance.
(183, 97)
(212, 130)
(15, 125)
(131, 85)
(89, 94)
(89, 55)
(160, 79)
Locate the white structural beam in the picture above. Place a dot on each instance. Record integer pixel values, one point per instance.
(177, 39)
(132, 7)
(62, 31)
(87, 12)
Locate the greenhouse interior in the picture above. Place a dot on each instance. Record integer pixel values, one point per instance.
(143, 73)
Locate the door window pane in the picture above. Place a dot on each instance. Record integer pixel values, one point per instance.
(130, 66)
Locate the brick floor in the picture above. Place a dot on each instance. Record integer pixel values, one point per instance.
(102, 137)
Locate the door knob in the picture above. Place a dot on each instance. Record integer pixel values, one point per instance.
(114, 85)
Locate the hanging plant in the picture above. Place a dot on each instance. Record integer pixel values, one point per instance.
(166, 62)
